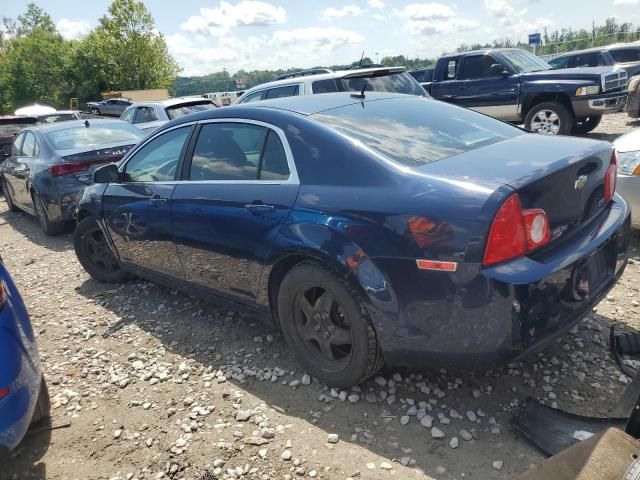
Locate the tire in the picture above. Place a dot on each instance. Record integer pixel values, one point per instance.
(549, 118)
(586, 125)
(8, 198)
(327, 326)
(95, 255)
(94, 111)
(48, 227)
(43, 406)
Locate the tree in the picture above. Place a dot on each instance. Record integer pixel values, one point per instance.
(34, 19)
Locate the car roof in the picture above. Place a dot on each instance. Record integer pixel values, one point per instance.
(481, 51)
(314, 78)
(604, 48)
(50, 127)
(172, 101)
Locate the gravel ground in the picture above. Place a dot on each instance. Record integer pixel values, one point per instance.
(157, 384)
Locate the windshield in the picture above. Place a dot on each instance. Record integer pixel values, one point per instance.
(176, 111)
(400, 82)
(94, 135)
(524, 62)
(415, 132)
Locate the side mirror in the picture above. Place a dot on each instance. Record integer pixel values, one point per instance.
(499, 70)
(107, 174)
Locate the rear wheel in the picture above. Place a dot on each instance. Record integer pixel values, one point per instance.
(549, 118)
(8, 198)
(48, 227)
(95, 255)
(327, 326)
(586, 125)
(43, 407)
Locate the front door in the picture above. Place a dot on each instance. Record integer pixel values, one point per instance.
(137, 211)
(488, 91)
(237, 191)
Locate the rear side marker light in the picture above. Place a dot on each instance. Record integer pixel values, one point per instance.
(4, 392)
(436, 265)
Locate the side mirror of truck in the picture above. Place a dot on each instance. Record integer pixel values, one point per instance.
(499, 70)
(107, 174)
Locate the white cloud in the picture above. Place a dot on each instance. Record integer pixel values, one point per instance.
(626, 2)
(425, 19)
(346, 11)
(513, 19)
(316, 38)
(217, 21)
(499, 8)
(379, 4)
(73, 29)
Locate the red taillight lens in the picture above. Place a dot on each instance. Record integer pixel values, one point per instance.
(60, 169)
(536, 228)
(4, 392)
(506, 237)
(611, 178)
(515, 232)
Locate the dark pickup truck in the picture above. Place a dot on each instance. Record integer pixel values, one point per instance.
(514, 85)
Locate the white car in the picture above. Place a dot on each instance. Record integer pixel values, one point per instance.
(322, 80)
(628, 156)
(148, 116)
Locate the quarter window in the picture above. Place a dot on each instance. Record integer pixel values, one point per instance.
(16, 151)
(254, 97)
(158, 159)
(238, 151)
(281, 92)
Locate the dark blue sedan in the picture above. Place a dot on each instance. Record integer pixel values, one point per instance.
(388, 227)
(49, 165)
(23, 393)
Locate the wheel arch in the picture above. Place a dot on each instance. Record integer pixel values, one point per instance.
(534, 99)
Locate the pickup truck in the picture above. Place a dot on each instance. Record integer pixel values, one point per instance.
(515, 86)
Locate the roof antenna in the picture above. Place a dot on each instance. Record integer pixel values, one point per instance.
(86, 123)
(361, 94)
(360, 62)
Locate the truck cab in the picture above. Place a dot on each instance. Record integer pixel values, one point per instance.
(514, 85)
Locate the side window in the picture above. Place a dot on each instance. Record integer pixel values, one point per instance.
(254, 97)
(16, 147)
(561, 62)
(227, 151)
(476, 66)
(29, 145)
(145, 114)
(325, 86)
(274, 159)
(158, 159)
(452, 68)
(281, 92)
(128, 114)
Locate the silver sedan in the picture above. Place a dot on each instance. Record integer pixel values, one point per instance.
(628, 154)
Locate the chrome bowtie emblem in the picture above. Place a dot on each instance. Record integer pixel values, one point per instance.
(581, 182)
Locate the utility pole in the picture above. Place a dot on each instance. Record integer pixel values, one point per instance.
(377, 59)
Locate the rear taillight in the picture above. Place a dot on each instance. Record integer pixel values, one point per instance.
(4, 392)
(67, 168)
(515, 232)
(611, 178)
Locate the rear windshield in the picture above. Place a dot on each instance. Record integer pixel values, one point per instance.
(415, 132)
(93, 135)
(396, 83)
(176, 111)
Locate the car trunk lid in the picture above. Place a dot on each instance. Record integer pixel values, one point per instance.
(82, 163)
(563, 176)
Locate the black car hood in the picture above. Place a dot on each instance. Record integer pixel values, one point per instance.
(586, 73)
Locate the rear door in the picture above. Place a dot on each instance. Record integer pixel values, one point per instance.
(238, 188)
(486, 92)
(10, 164)
(20, 167)
(137, 211)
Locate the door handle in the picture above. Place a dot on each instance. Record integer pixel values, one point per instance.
(259, 208)
(157, 201)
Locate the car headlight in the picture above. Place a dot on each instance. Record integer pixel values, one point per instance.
(591, 90)
(629, 162)
(633, 84)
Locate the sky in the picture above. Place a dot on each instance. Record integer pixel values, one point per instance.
(206, 36)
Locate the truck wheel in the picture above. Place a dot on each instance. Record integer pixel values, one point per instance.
(586, 125)
(549, 118)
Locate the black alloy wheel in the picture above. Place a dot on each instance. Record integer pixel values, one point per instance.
(95, 255)
(48, 227)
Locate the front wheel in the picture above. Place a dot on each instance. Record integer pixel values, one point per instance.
(95, 111)
(327, 326)
(586, 125)
(95, 255)
(549, 118)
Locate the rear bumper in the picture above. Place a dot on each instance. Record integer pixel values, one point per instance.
(598, 105)
(629, 188)
(483, 318)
